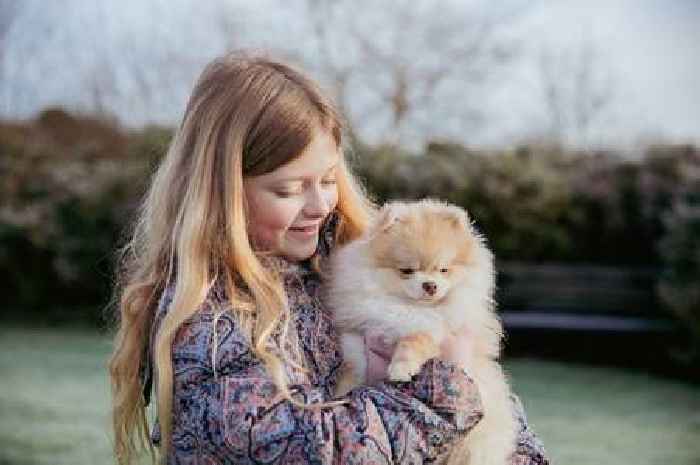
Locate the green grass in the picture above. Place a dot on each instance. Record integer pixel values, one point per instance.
(593, 415)
(54, 397)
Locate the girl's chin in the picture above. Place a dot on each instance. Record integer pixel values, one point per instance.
(295, 249)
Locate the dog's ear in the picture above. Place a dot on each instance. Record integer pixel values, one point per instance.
(387, 217)
(457, 217)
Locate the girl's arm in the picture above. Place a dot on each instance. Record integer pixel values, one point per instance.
(530, 450)
(238, 417)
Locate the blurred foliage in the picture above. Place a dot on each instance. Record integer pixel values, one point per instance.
(679, 286)
(70, 184)
(541, 203)
(544, 203)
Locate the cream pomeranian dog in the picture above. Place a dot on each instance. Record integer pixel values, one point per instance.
(420, 270)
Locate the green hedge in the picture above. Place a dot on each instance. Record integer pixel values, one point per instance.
(70, 185)
(679, 285)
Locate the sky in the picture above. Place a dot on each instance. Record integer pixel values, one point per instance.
(647, 60)
(652, 49)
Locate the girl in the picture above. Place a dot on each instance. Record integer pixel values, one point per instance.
(218, 296)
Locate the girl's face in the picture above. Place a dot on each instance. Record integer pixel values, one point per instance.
(287, 206)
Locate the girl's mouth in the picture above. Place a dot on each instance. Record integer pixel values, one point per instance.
(304, 232)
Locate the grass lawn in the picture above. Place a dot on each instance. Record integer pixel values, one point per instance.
(54, 406)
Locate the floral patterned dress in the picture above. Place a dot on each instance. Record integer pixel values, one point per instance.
(226, 409)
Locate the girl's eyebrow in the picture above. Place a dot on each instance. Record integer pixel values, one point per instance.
(301, 178)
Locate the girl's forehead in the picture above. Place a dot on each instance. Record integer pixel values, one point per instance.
(318, 158)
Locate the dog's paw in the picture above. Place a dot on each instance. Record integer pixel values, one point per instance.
(403, 370)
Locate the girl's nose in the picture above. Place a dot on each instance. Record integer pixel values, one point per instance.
(316, 205)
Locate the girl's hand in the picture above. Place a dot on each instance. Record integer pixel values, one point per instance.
(378, 353)
(458, 348)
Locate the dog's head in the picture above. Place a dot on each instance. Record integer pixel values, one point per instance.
(424, 249)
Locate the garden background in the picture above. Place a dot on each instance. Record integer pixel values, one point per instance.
(597, 236)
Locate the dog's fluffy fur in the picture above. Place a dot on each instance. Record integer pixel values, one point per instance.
(420, 270)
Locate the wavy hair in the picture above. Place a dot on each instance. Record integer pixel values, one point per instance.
(247, 115)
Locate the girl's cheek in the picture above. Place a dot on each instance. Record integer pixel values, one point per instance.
(282, 214)
(267, 236)
(261, 235)
(271, 221)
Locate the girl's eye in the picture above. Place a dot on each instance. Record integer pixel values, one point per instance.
(329, 182)
(443, 270)
(406, 271)
(286, 194)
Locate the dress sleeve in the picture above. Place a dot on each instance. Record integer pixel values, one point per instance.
(239, 417)
(529, 450)
(397, 423)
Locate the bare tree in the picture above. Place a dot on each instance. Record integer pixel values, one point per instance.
(152, 79)
(337, 72)
(229, 24)
(9, 9)
(411, 70)
(578, 91)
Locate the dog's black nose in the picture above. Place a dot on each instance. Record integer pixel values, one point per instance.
(429, 287)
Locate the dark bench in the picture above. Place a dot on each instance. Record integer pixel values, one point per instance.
(580, 298)
(592, 314)
(578, 322)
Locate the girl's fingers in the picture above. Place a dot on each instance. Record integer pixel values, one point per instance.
(377, 343)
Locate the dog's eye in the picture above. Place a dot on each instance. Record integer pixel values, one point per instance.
(406, 271)
(444, 270)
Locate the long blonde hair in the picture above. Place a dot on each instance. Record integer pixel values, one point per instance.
(247, 115)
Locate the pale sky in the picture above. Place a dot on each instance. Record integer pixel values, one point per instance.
(650, 49)
(653, 49)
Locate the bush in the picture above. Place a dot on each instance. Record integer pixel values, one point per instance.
(679, 284)
(70, 184)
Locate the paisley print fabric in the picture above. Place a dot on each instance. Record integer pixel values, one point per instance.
(226, 409)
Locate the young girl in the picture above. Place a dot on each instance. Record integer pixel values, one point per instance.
(218, 296)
